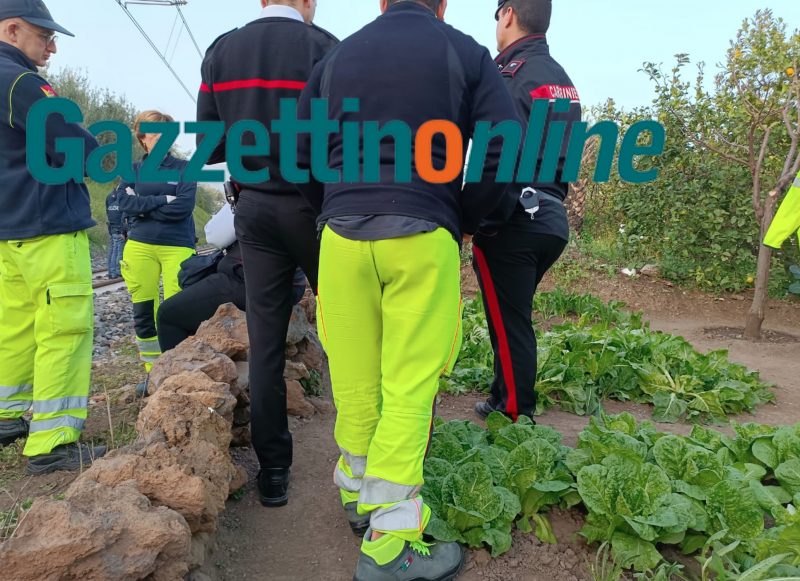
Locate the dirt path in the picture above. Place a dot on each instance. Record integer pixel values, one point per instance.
(309, 538)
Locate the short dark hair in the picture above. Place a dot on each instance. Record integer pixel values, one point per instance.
(432, 4)
(533, 15)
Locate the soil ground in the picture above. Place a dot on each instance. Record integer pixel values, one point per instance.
(309, 538)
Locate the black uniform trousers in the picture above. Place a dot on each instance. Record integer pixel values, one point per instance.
(510, 265)
(181, 315)
(276, 234)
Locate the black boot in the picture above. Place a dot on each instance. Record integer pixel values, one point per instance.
(11, 430)
(273, 486)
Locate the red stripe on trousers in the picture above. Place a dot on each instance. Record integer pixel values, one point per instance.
(500, 331)
(258, 84)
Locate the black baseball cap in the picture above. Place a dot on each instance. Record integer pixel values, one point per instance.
(500, 4)
(33, 11)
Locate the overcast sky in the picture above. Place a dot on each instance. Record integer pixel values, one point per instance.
(601, 43)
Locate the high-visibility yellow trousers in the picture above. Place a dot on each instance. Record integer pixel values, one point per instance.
(143, 266)
(389, 317)
(46, 331)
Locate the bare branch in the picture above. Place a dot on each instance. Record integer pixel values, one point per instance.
(758, 204)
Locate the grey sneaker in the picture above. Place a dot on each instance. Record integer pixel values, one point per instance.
(65, 457)
(359, 523)
(11, 430)
(416, 562)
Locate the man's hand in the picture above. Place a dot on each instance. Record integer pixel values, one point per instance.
(130, 192)
(171, 199)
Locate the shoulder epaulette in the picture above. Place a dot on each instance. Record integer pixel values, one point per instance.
(325, 32)
(220, 37)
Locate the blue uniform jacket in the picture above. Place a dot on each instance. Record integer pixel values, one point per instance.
(151, 219)
(29, 208)
(406, 65)
(117, 222)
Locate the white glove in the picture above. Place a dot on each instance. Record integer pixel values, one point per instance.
(130, 191)
(171, 199)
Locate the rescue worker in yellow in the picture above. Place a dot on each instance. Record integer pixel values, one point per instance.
(787, 219)
(46, 311)
(160, 237)
(389, 311)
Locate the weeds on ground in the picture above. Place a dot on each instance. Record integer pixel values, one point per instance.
(11, 518)
(605, 567)
(11, 461)
(313, 385)
(124, 370)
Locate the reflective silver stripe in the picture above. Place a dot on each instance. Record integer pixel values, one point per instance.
(377, 491)
(15, 405)
(52, 424)
(60, 404)
(150, 345)
(403, 516)
(12, 390)
(147, 358)
(344, 482)
(358, 464)
(796, 182)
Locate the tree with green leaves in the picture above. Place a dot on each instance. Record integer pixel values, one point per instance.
(749, 117)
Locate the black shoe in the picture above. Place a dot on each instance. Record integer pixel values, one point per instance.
(141, 387)
(73, 456)
(273, 486)
(359, 523)
(12, 430)
(484, 408)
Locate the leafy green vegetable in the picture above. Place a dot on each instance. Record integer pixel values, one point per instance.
(610, 354)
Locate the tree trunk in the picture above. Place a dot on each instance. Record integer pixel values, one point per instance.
(755, 318)
(576, 200)
(576, 205)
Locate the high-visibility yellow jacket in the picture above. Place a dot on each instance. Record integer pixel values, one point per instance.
(787, 220)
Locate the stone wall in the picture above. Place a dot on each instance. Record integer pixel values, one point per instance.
(148, 509)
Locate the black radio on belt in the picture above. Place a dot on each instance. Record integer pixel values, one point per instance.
(232, 190)
(530, 199)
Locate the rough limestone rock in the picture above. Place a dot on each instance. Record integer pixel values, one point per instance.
(296, 402)
(199, 386)
(192, 355)
(226, 332)
(97, 533)
(241, 416)
(311, 354)
(239, 481)
(651, 270)
(299, 326)
(241, 437)
(242, 382)
(183, 420)
(165, 476)
(295, 370)
(309, 306)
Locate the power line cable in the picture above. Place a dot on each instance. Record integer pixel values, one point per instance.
(177, 40)
(171, 32)
(189, 30)
(155, 48)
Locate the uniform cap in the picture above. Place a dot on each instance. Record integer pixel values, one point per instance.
(32, 11)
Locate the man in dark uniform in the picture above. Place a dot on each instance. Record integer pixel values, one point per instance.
(245, 74)
(510, 260)
(117, 233)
